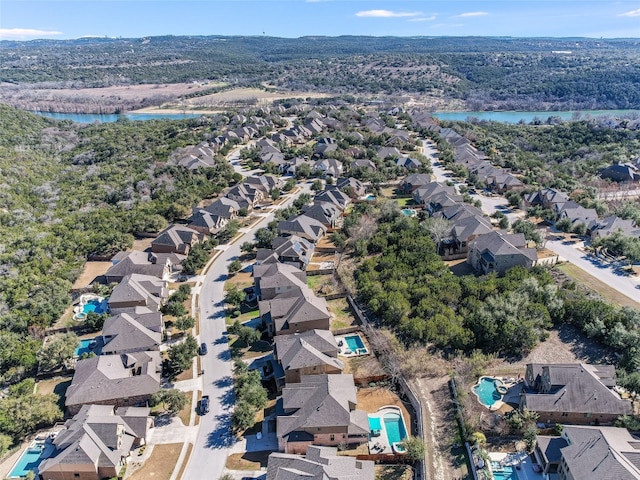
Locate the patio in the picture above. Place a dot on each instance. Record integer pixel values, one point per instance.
(515, 459)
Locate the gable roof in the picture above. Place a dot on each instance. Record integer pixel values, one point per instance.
(176, 236)
(223, 207)
(141, 289)
(320, 463)
(303, 226)
(128, 334)
(298, 305)
(307, 349)
(125, 263)
(321, 401)
(110, 378)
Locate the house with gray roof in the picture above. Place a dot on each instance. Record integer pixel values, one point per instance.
(409, 163)
(328, 167)
(412, 182)
(302, 226)
(622, 172)
(546, 197)
(335, 196)
(499, 251)
(423, 194)
(195, 157)
(175, 239)
(246, 194)
(272, 279)
(361, 163)
(128, 333)
(575, 393)
(308, 353)
(576, 213)
(463, 231)
(320, 463)
(594, 453)
(294, 311)
(320, 410)
(351, 186)
(612, 224)
(126, 263)
(224, 207)
(137, 290)
(291, 250)
(324, 212)
(205, 222)
(126, 380)
(96, 443)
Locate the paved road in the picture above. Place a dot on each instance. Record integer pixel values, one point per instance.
(626, 285)
(214, 440)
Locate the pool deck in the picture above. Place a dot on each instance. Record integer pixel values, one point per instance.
(345, 351)
(526, 471)
(513, 386)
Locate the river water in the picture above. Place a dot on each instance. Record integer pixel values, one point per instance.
(505, 117)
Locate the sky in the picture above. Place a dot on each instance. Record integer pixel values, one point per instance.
(58, 19)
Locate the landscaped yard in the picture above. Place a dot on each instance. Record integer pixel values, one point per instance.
(239, 349)
(240, 280)
(341, 314)
(316, 282)
(405, 201)
(373, 398)
(160, 464)
(57, 385)
(185, 413)
(393, 472)
(244, 317)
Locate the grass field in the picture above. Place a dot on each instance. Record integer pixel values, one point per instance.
(342, 316)
(608, 293)
(248, 460)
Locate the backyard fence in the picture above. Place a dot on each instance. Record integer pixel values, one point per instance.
(462, 427)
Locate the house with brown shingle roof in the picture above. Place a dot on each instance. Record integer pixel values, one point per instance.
(96, 443)
(575, 393)
(175, 239)
(320, 410)
(126, 263)
(272, 279)
(125, 380)
(128, 333)
(320, 463)
(308, 353)
(499, 251)
(297, 310)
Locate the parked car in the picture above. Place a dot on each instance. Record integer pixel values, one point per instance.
(203, 405)
(203, 349)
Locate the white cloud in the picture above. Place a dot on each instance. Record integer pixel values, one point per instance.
(386, 14)
(423, 19)
(632, 13)
(472, 14)
(23, 33)
(448, 25)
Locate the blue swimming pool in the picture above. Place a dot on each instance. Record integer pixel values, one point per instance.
(408, 212)
(85, 346)
(375, 423)
(505, 473)
(370, 197)
(487, 392)
(354, 342)
(97, 306)
(31, 459)
(394, 425)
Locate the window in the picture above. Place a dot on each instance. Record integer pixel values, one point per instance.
(565, 414)
(76, 475)
(332, 437)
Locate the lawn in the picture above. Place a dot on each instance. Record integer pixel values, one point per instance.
(240, 280)
(185, 413)
(608, 293)
(239, 349)
(160, 464)
(245, 316)
(393, 472)
(315, 282)
(406, 201)
(341, 313)
(248, 460)
(57, 385)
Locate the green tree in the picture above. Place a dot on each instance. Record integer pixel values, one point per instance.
(95, 321)
(185, 322)
(234, 267)
(172, 399)
(5, 443)
(317, 185)
(234, 296)
(275, 194)
(57, 351)
(181, 356)
(414, 448)
(244, 416)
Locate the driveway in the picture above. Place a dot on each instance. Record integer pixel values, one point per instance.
(214, 439)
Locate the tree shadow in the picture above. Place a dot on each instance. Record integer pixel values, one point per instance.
(225, 355)
(224, 382)
(227, 399)
(584, 348)
(221, 340)
(221, 436)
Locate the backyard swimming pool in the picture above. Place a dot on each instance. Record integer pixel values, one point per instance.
(503, 473)
(408, 212)
(355, 343)
(394, 425)
(90, 302)
(88, 345)
(95, 305)
(487, 392)
(31, 459)
(374, 423)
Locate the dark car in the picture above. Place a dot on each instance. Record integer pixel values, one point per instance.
(203, 349)
(203, 406)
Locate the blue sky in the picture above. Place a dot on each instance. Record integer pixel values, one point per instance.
(29, 19)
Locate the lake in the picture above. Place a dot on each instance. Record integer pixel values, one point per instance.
(515, 117)
(505, 117)
(106, 118)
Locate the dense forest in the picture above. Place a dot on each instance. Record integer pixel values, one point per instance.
(67, 192)
(486, 73)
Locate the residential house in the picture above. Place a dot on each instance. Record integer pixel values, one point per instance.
(129, 332)
(266, 183)
(362, 163)
(611, 224)
(323, 148)
(125, 380)
(320, 410)
(246, 194)
(175, 239)
(575, 393)
(577, 214)
(594, 453)
(351, 186)
(304, 227)
(224, 207)
(498, 252)
(294, 163)
(388, 152)
(408, 163)
(137, 290)
(294, 311)
(335, 196)
(329, 167)
(273, 279)
(324, 212)
(308, 353)
(96, 443)
(546, 197)
(292, 250)
(320, 463)
(503, 182)
(412, 182)
(623, 172)
(197, 157)
(463, 231)
(126, 263)
(423, 194)
(206, 223)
